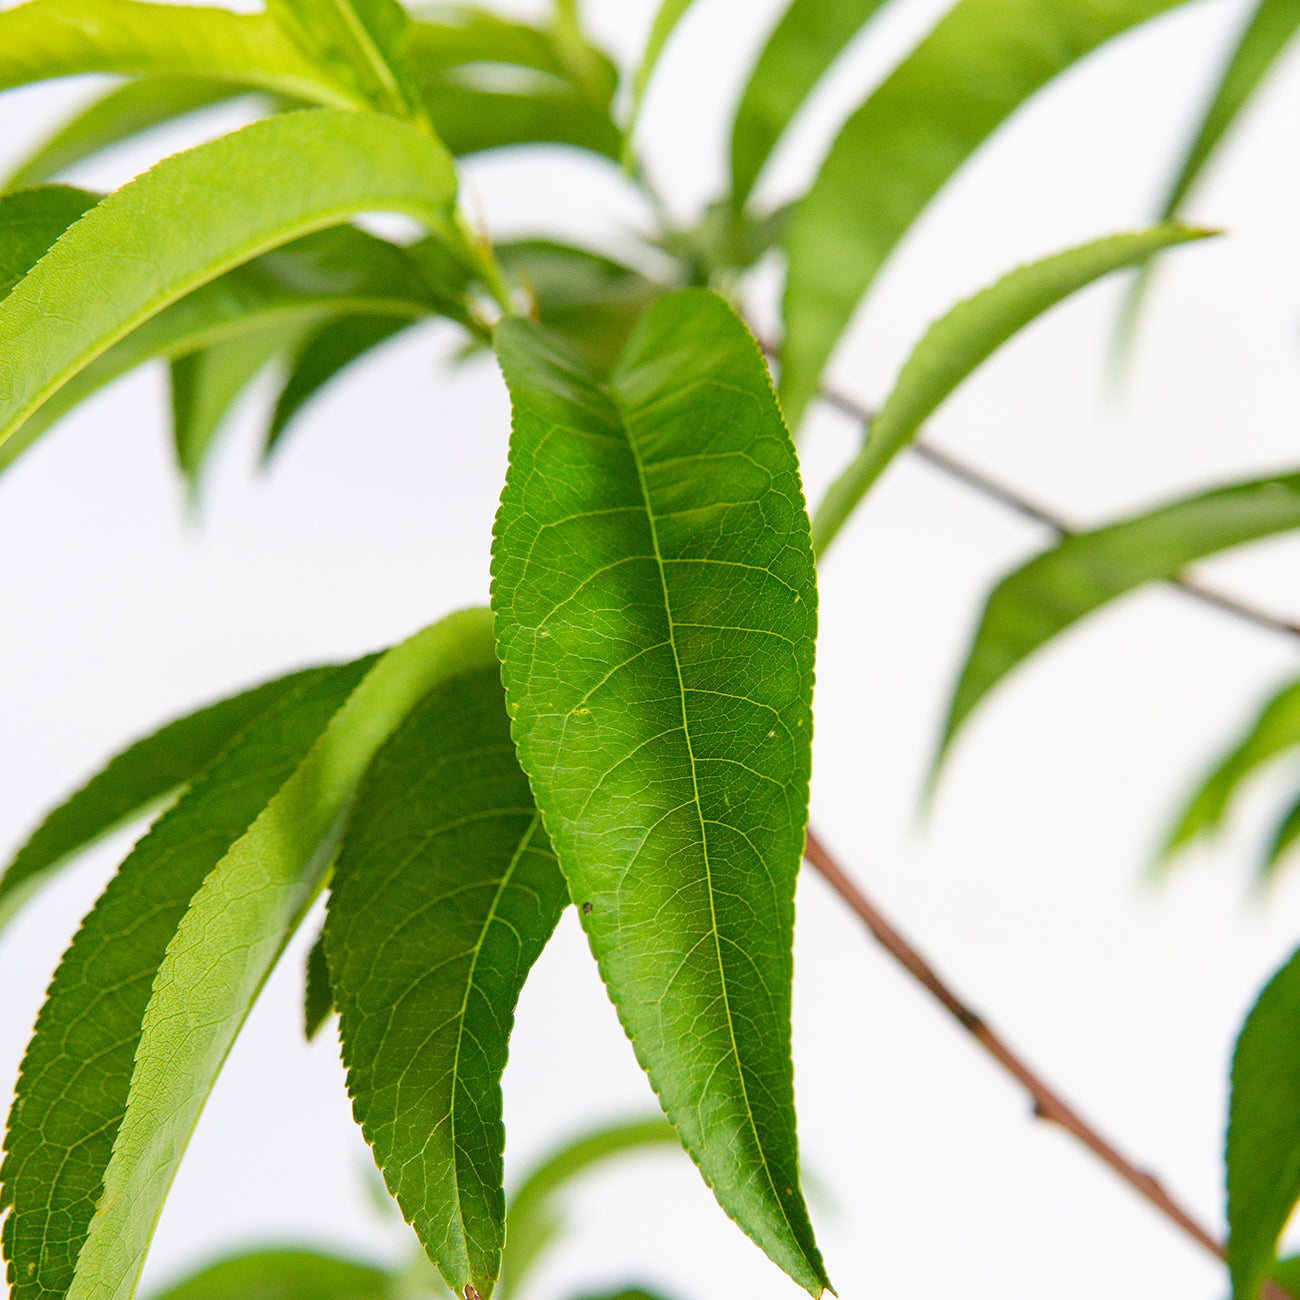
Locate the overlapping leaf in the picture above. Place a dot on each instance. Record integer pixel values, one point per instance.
(979, 64)
(470, 119)
(60, 38)
(72, 1092)
(284, 1275)
(1085, 571)
(132, 782)
(1285, 834)
(655, 600)
(807, 40)
(318, 995)
(228, 940)
(1263, 1146)
(196, 215)
(30, 221)
(960, 341)
(445, 893)
(1274, 731)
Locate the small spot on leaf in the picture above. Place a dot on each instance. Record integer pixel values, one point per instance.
(471, 1293)
(586, 909)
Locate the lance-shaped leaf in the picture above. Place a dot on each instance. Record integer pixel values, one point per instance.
(332, 273)
(1267, 33)
(1274, 731)
(655, 600)
(807, 40)
(30, 221)
(360, 43)
(195, 215)
(72, 1091)
(132, 782)
(283, 1275)
(318, 993)
(61, 38)
(123, 112)
(978, 65)
(1263, 1144)
(535, 1215)
(1284, 836)
(1085, 571)
(227, 942)
(469, 119)
(445, 893)
(959, 342)
(667, 16)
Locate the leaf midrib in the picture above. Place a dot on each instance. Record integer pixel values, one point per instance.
(695, 793)
(378, 64)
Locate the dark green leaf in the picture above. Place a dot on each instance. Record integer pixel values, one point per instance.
(30, 222)
(228, 941)
(330, 349)
(960, 341)
(982, 61)
(283, 1275)
(445, 893)
(318, 995)
(1083, 572)
(469, 119)
(60, 38)
(1275, 730)
(1263, 1147)
(196, 215)
(1284, 836)
(807, 40)
(125, 111)
(136, 779)
(535, 1216)
(72, 1091)
(655, 598)
(360, 43)
(1287, 1273)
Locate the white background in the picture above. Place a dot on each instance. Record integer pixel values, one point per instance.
(1025, 885)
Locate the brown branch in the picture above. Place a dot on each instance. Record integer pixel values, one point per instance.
(1048, 1105)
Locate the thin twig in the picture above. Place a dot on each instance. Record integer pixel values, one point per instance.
(1048, 1105)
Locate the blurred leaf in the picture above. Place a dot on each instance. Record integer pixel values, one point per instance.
(1263, 1146)
(72, 1091)
(195, 215)
(535, 1216)
(327, 351)
(139, 777)
(282, 1275)
(1287, 1273)
(228, 941)
(60, 38)
(667, 16)
(809, 38)
(1284, 836)
(318, 996)
(30, 222)
(978, 65)
(1085, 571)
(469, 120)
(636, 1293)
(957, 343)
(1275, 730)
(123, 112)
(445, 893)
(724, 242)
(655, 605)
(361, 43)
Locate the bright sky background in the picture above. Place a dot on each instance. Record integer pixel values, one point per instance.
(1025, 886)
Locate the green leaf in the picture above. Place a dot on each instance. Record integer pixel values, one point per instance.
(1263, 1146)
(283, 1275)
(635, 1293)
(1275, 730)
(200, 213)
(60, 38)
(807, 40)
(359, 43)
(667, 16)
(535, 1216)
(445, 893)
(655, 600)
(206, 384)
(1286, 1272)
(30, 222)
(1284, 836)
(329, 350)
(1084, 571)
(123, 112)
(72, 1091)
(228, 941)
(969, 334)
(978, 65)
(318, 995)
(469, 120)
(139, 777)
